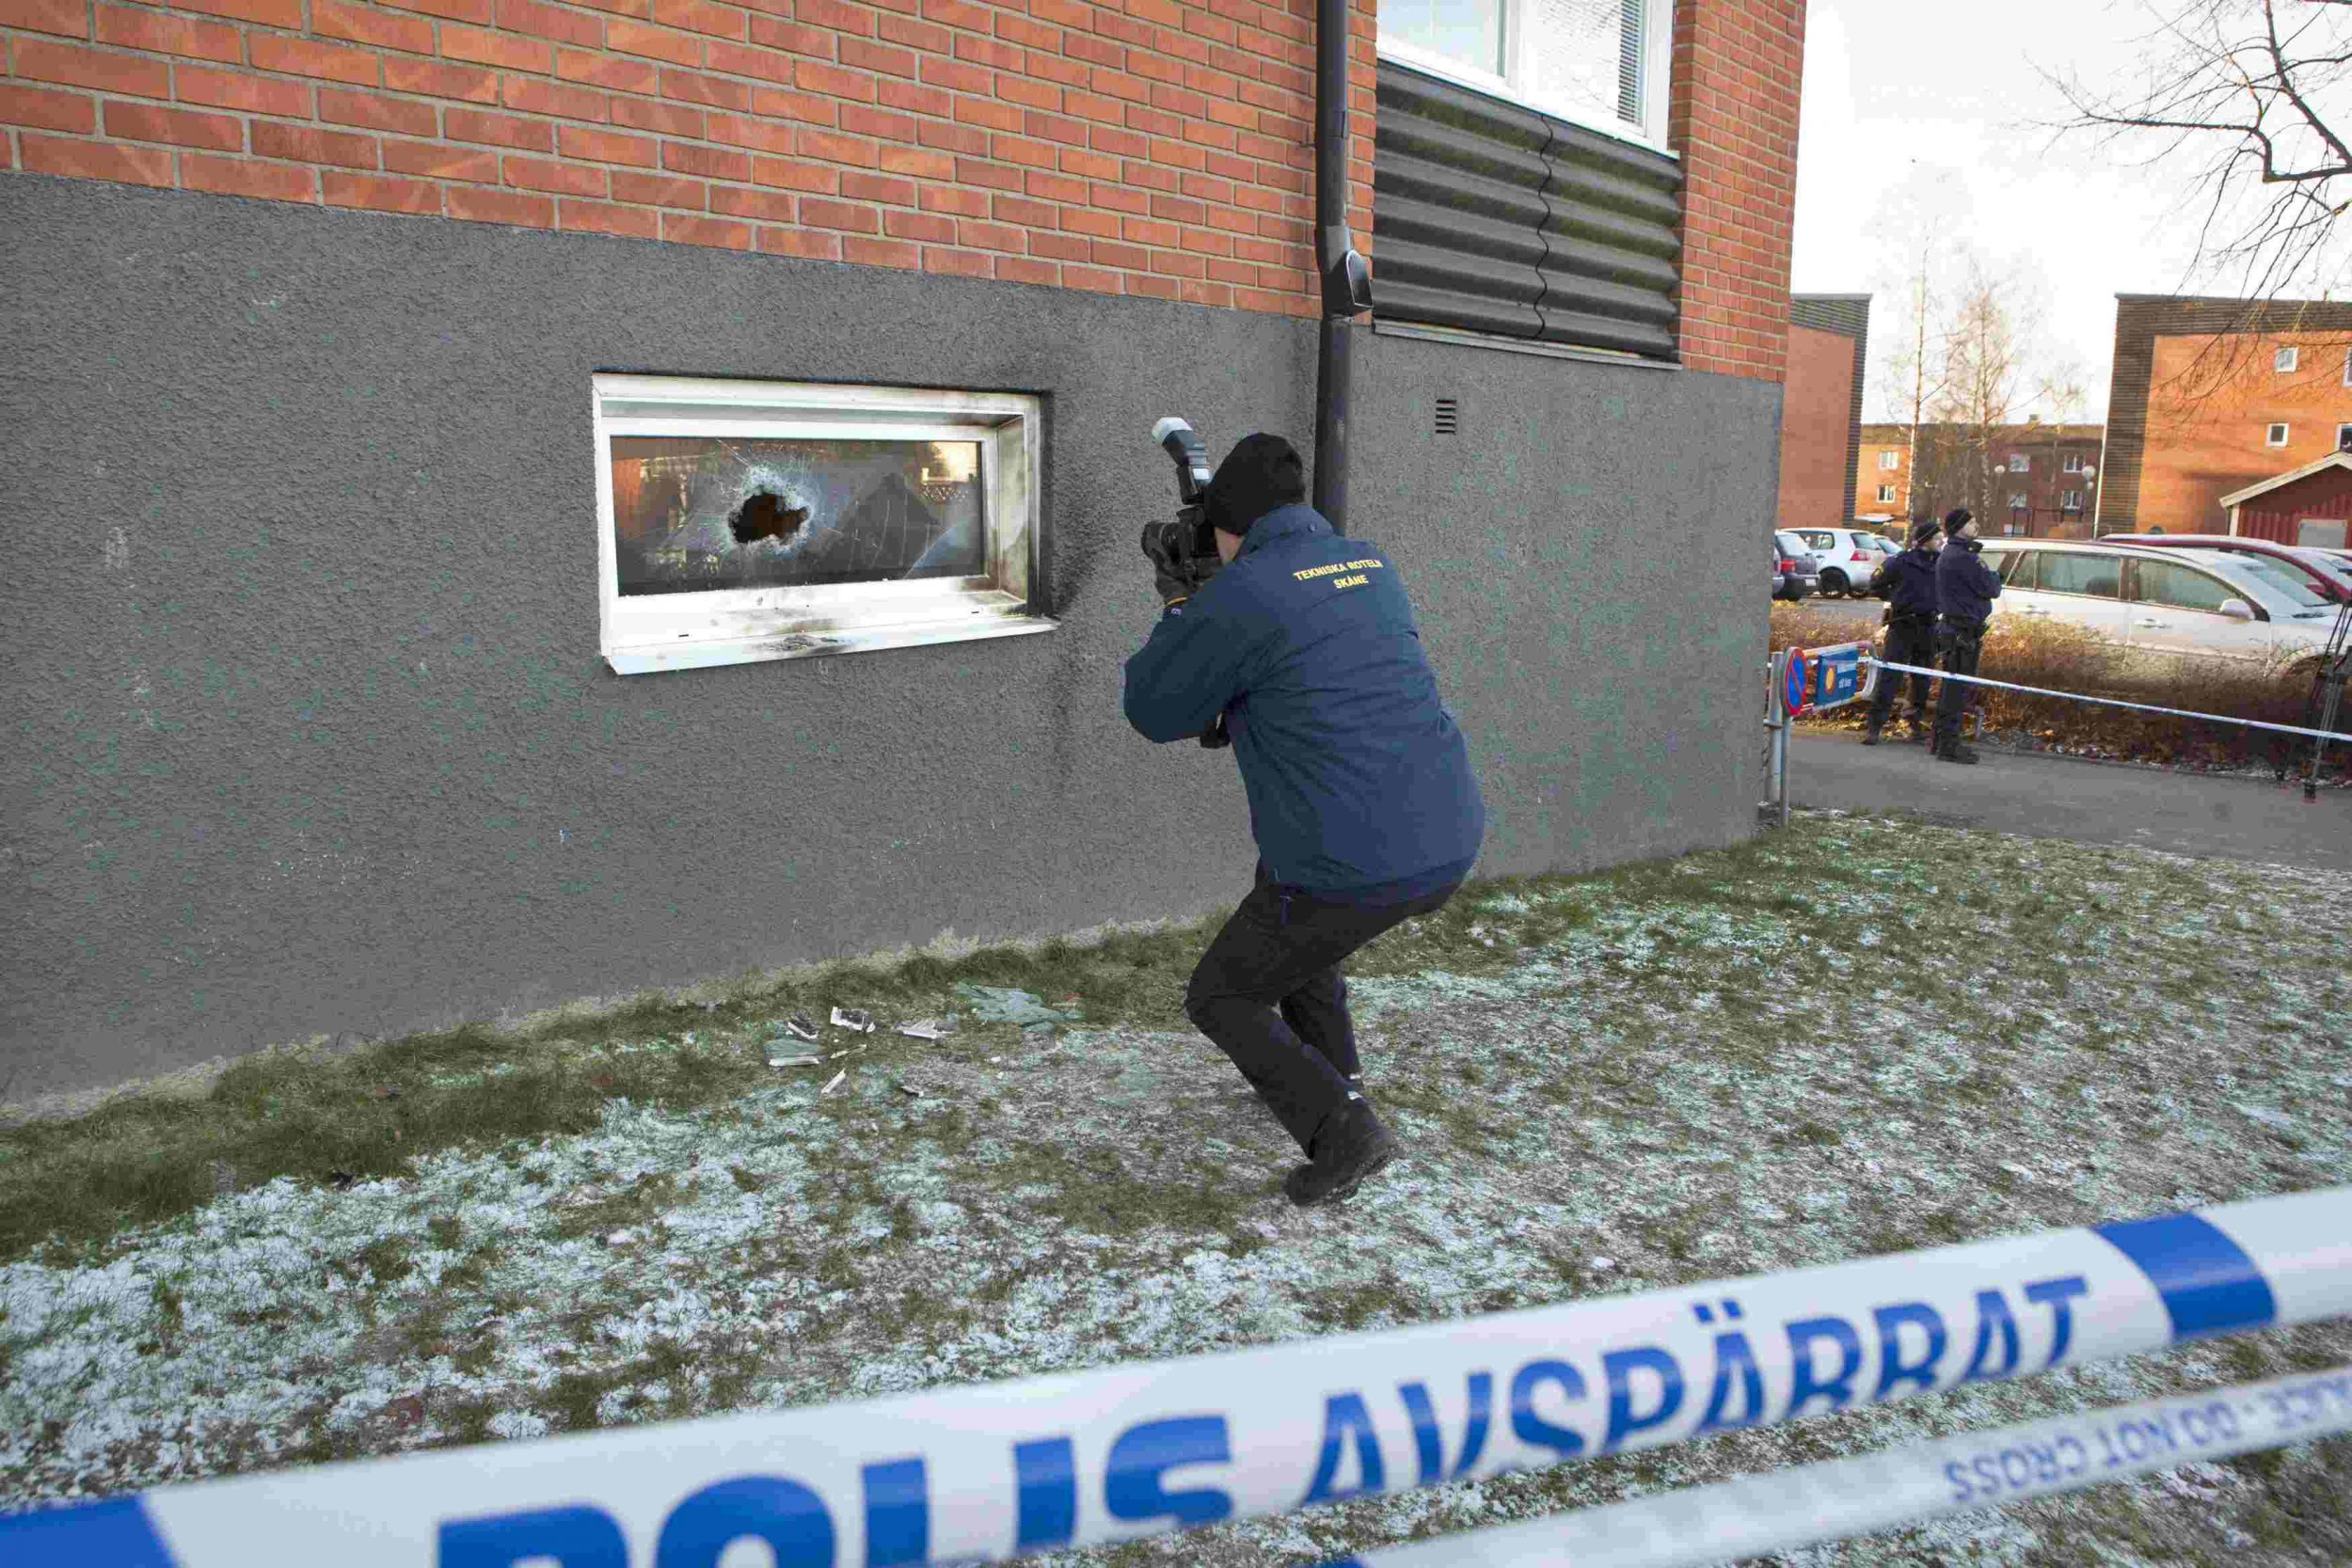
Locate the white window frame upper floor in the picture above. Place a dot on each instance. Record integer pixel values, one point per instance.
(2020, 463)
(643, 634)
(1890, 460)
(1514, 86)
(2072, 463)
(2284, 361)
(2276, 434)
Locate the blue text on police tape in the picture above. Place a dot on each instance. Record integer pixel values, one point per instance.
(1163, 1471)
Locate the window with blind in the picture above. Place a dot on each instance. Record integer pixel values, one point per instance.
(1599, 63)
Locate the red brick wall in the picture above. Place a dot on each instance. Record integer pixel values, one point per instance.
(1156, 147)
(2211, 402)
(1733, 117)
(1816, 425)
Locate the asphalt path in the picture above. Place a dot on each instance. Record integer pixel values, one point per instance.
(2088, 802)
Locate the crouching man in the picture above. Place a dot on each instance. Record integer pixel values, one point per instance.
(1361, 797)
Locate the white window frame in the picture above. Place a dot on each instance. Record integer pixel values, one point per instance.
(1890, 460)
(2341, 429)
(2020, 463)
(2072, 463)
(2284, 361)
(2070, 500)
(1886, 493)
(1657, 67)
(643, 634)
(2347, 366)
(2276, 434)
(2018, 503)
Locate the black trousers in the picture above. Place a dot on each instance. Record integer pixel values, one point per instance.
(1909, 640)
(1962, 647)
(1269, 993)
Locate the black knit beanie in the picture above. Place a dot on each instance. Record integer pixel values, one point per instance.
(1261, 473)
(1923, 530)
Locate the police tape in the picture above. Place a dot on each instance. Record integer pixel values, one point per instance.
(1841, 1497)
(987, 1473)
(2110, 701)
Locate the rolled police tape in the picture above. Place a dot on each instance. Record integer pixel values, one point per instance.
(1841, 1497)
(987, 1473)
(2110, 701)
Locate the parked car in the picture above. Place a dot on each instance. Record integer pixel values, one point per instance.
(1847, 557)
(1795, 574)
(2331, 572)
(2163, 602)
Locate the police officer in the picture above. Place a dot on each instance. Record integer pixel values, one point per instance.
(1965, 588)
(1907, 582)
(1362, 796)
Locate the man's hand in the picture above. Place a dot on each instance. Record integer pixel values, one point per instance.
(1170, 576)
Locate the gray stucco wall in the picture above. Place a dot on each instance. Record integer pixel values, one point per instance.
(307, 731)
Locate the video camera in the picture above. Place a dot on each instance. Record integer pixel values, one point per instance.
(1185, 546)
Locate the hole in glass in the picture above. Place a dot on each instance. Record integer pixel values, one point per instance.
(765, 514)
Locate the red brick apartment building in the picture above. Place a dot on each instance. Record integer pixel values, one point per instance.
(2044, 478)
(1821, 410)
(452, 441)
(2211, 396)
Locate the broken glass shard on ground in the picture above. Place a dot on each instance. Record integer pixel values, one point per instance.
(856, 1020)
(1003, 1004)
(703, 512)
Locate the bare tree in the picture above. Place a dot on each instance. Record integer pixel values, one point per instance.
(1987, 382)
(2250, 101)
(1916, 363)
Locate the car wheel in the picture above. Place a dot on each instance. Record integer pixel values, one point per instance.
(1832, 584)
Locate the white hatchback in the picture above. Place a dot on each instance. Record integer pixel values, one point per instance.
(1847, 557)
(2178, 603)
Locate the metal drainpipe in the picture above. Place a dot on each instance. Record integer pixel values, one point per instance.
(1347, 287)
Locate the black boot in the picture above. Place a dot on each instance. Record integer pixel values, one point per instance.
(1350, 1146)
(1953, 751)
(1870, 733)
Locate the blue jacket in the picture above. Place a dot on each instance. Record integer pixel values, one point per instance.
(1907, 582)
(1965, 586)
(1358, 780)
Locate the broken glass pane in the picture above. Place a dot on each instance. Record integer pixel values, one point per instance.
(696, 512)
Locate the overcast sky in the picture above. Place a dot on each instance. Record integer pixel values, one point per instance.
(1913, 104)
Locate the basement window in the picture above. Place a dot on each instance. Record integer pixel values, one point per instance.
(1599, 63)
(741, 521)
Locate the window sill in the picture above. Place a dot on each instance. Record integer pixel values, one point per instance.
(814, 639)
(1446, 69)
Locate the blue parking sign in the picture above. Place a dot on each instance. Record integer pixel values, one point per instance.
(1839, 676)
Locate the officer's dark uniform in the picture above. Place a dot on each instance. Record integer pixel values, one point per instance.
(1965, 588)
(1907, 582)
(1362, 796)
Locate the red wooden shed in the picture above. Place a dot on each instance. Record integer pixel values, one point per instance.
(2309, 505)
